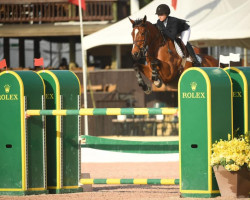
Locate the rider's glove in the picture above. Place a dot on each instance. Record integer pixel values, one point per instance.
(161, 28)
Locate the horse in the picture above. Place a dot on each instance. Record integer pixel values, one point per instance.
(163, 62)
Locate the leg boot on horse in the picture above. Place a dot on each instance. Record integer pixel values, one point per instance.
(191, 52)
(155, 75)
(147, 89)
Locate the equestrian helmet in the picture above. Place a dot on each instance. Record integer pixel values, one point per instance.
(162, 9)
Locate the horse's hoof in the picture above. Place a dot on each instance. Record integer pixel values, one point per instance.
(148, 91)
(158, 83)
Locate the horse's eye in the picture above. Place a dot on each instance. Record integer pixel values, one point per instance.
(143, 34)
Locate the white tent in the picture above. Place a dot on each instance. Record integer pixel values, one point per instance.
(232, 29)
(120, 32)
(212, 22)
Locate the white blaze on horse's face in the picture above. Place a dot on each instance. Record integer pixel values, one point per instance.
(136, 31)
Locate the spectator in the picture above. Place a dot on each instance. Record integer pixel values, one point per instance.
(64, 64)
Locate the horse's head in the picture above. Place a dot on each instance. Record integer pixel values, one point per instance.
(139, 34)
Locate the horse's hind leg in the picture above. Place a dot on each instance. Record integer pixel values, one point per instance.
(142, 84)
(155, 75)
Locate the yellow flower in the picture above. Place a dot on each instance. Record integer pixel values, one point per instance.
(232, 167)
(232, 153)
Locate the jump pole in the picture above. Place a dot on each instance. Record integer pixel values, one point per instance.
(106, 111)
(114, 111)
(130, 181)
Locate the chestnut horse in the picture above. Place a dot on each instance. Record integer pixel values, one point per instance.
(163, 63)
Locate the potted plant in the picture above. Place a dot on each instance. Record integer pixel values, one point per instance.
(230, 160)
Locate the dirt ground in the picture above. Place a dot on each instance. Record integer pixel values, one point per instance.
(120, 192)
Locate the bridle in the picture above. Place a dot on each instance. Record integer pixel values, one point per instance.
(144, 48)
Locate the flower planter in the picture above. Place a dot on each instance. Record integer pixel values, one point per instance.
(233, 183)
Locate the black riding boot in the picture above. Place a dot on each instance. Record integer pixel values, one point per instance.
(191, 52)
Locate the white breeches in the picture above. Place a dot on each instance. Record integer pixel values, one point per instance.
(185, 35)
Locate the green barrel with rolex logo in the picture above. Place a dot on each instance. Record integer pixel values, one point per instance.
(22, 143)
(205, 113)
(241, 80)
(63, 155)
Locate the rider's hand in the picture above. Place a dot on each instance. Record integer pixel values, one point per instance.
(160, 28)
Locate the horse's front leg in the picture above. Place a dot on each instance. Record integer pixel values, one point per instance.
(147, 89)
(155, 75)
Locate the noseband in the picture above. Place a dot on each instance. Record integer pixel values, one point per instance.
(144, 48)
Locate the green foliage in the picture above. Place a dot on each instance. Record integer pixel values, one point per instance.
(144, 3)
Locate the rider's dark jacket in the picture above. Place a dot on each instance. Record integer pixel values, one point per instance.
(174, 27)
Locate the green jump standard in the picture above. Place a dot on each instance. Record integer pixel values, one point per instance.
(205, 113)
(241, 80)
(63, 146)
(22, 145)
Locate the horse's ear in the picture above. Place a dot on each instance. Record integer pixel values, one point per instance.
(144, 19)
(132, 21)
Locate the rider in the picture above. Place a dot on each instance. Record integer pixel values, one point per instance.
(173, 27)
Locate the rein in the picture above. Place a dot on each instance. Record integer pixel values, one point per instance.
(145, 47)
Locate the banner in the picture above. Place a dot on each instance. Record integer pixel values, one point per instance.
(3, 63)
(234, 57)
(174, 4)
(76, 2)
(38, 62)
(224, 59)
